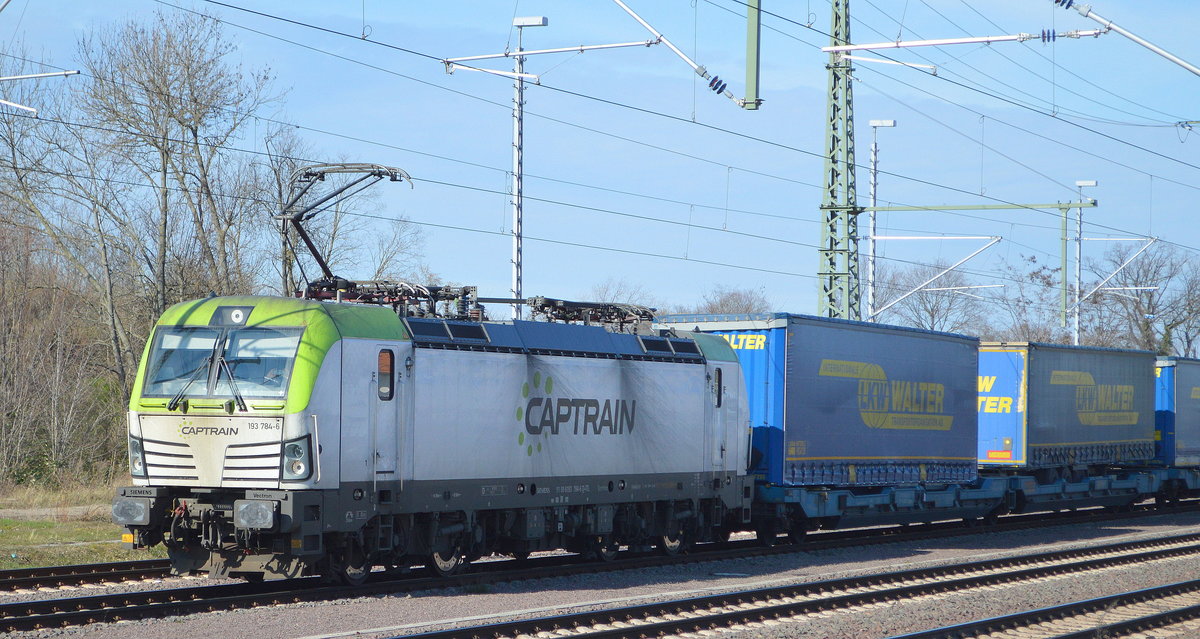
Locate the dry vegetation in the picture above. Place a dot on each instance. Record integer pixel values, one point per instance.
(130, 192)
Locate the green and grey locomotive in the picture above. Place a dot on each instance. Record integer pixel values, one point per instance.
(275, 437)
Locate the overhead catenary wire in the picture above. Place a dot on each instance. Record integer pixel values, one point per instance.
(677, 118)
(993, 79)
(984, 92)
(568, 204)
(1068, 71)
(268, 203)
(1038, 75)
(435, 85)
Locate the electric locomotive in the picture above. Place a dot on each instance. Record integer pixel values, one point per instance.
(275, 437)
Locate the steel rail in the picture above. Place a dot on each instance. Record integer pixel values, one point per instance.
(726, 610)
(175, 601)
(1126, 623)
(73, 575)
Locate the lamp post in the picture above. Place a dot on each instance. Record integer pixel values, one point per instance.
(519, 76)
(1080, 184)
(518, 160)
(875, 125)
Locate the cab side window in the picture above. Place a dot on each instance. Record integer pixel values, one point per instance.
(386, 374)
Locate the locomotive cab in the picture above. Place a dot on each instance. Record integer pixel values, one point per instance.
(225, 431)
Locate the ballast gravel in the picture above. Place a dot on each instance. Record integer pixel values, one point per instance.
(412, 613)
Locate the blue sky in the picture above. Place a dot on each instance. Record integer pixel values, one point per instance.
(635, 171)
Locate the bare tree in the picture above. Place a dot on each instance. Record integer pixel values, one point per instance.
(1029, 307)
(167, 101)
(127, 195)
(952, 307)
(620, 291)
(1153, 303)
(729, 300)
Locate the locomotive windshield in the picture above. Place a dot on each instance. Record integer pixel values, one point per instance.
(225, 363)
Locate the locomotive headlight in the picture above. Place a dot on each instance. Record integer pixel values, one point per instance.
(297, 459)
(131, 511)
(137, 458)
(255, 514)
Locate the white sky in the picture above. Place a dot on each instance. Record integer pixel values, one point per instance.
(1097, 109)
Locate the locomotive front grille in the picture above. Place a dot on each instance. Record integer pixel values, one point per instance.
(252, 463)
(169, 460)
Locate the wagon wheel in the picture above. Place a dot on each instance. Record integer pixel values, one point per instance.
(796, 535)
(767, 534)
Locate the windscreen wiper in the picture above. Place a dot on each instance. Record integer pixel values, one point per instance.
(223, 365)
(178, 398)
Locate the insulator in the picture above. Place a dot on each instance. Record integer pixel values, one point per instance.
(720, 88)
(713, 82)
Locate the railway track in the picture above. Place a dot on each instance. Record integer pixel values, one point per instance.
(1165, 611)
(128, 571)
(684, 616)
(793, 603)
(53, 576)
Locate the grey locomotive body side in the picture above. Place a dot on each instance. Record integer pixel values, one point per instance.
(448, 441)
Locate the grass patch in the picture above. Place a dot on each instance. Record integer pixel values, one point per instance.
(28, 544)
(61, 495)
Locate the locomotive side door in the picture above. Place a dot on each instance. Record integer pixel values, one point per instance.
(716, 426)
(384, 399)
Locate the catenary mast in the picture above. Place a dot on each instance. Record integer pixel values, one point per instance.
(838, 260)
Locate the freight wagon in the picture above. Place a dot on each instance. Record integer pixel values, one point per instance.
(1060, 410)
(856, 423)
(1177, 412)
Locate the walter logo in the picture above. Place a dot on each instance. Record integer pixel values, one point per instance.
(745, 341)
(1098, 404)
(892, 403)
(543, 414)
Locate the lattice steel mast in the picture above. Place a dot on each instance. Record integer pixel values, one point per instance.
(838, 260)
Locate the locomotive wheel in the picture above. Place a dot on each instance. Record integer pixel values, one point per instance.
(670, 545)
(350, 565)
(447, 562)
(602, 548)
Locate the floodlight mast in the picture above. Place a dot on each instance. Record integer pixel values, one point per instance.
(751, 102)
(519, 77)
